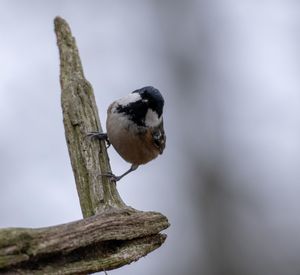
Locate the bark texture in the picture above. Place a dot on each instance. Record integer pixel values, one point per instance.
(89, 158)
(101, 242)
(111, 233)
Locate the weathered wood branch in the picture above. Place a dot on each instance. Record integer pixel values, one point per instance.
(112, 234)
(89, 159)
(100, 242)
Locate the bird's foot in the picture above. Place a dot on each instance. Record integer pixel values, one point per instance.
(115, 178)
(112, 176)
(98, 135)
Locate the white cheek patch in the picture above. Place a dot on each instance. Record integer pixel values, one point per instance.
(151, 119)
(129, 99)
(118, 121)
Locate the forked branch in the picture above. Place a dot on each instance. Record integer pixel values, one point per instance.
(111, 233)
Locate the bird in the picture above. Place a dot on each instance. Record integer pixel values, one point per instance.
(135, 128)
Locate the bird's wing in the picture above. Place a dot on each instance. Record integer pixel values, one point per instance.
(159, 137)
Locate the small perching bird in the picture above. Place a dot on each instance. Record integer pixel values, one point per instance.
(135, 127)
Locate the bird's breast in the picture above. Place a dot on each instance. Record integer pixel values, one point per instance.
(134, 144)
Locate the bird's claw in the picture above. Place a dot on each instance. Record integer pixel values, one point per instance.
(112, 176)
(101, 136)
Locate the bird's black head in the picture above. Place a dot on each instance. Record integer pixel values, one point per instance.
(153, 97)
(137, 107)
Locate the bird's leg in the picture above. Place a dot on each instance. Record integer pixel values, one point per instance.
(98, 135)
(117, 178)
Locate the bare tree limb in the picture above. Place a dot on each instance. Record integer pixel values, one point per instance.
(111, 233)
(89, 159)
(106, 241)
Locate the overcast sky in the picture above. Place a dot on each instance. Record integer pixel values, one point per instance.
(229, 71)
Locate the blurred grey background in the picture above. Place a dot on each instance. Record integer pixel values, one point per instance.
(229, 71)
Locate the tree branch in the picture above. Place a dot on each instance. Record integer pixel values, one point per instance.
(112, 234)
(105, 241)
(89, 159)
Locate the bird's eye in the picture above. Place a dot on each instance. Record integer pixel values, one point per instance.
(145, 100)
